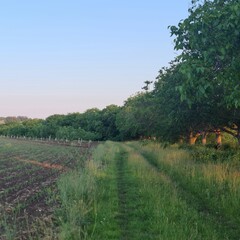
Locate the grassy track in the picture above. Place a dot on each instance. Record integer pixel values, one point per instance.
(130, 219)
(145, 202)
(192, 184)
(229, 227)
(123, 194)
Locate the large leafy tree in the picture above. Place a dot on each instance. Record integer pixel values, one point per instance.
(109, 130)
(51, 125)
(137, 117)
(209, 41)
(176, 119)
(210, 56)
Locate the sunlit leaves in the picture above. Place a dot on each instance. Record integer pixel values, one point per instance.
(210, 47)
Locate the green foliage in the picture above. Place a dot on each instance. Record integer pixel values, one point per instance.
(176, 118)
(209, 42)
(212, 155)
(91, 125)
(109, 126)
(199, 92)
(137, 117)
(71, 133)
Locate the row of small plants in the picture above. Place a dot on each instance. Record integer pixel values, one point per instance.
(29, 193)
(40, 152)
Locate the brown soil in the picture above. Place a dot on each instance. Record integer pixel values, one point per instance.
(44, 164)
(28, 175)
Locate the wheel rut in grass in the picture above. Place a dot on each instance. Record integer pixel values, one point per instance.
(121, 162)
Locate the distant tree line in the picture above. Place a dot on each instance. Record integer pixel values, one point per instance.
(94, 124)
(198, 94)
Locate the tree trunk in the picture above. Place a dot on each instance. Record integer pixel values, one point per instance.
(204, 138)
(218, 138)
(180, 141)
(193, 138)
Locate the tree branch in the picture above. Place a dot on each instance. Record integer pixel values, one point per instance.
(229, 132)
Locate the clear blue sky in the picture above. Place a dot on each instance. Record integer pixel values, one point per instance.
(64, 56)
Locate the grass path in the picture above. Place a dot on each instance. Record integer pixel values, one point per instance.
(137, 201)
(227, 228)
(118, 214)
(198, 202)
(123, 194)
(131, 219)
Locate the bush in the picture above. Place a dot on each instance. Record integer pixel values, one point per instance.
(226, 153)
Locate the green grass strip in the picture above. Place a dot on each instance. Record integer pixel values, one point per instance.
(227, 228)
(106, 225)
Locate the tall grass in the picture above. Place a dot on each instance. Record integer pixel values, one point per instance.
(163, 213)
(106, 225)
(77, 190)
(83, 193)
(215, 185)
(77, 194)
(136, 201)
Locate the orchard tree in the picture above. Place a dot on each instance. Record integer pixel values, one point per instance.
(136, 118)
(209, 41)
(109, 129)
(51, 125)
(176, 118)
(210, 54)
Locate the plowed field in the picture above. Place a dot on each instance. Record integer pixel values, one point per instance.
(28, 174)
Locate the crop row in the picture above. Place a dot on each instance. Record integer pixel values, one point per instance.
(29, 172)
